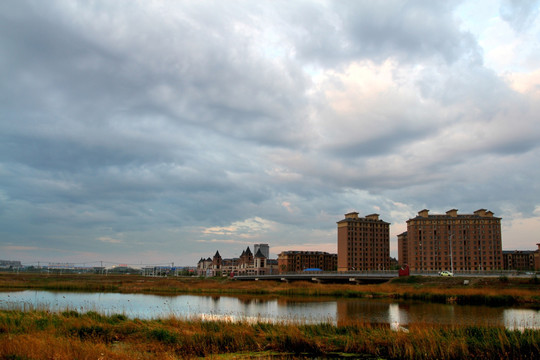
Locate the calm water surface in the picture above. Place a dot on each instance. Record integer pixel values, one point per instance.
(309, 311)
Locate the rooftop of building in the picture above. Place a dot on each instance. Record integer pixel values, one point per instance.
(453, 214)
(353, 217)
(301, 252)
(519, 252)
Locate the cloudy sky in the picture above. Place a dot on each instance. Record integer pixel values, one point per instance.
(149, 132)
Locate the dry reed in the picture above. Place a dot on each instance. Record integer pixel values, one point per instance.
(70, 335)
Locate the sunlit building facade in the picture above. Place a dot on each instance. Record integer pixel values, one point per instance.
(363, 243)
(452, 241)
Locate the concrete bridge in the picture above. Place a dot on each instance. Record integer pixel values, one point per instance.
(326, 277)
(372, 277)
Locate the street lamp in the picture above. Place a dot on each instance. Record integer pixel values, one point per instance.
(451, 260)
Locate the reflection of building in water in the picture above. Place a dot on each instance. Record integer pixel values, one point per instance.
(401, 315)
(521, 319)
(453, 241)
(364, 310)
(397, 317)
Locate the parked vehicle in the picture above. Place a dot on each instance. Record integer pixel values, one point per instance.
(446, 273)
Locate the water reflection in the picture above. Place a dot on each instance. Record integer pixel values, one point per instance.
(399, 315)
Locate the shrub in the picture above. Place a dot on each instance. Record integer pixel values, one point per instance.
(163, 335)
(70, 313)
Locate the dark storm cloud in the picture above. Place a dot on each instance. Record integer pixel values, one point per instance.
(187, 79)
(407, 30)
(397, 134)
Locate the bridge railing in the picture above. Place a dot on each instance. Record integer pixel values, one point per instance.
(351, 272)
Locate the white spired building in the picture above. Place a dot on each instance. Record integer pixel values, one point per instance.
(247, 264)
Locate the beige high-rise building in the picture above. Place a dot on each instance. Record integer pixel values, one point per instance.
(363, 243)
(452, 241)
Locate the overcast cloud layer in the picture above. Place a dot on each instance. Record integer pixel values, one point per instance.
(162, 131)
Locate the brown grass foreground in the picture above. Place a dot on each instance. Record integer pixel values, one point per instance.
(487, 291)
(70, 335)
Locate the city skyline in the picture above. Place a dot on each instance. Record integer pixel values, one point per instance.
(266, 253)
(157, 132)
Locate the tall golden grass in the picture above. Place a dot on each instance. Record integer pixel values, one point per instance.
(70, 335)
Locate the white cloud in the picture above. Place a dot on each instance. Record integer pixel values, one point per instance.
(521, 233)
(328, 247)
(249, 228)
(110, 240)
(525, 83)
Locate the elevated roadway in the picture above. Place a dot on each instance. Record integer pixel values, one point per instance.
(328, 277)
(367, 277)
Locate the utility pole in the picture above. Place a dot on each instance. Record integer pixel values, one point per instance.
(451, 260)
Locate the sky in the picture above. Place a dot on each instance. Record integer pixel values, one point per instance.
(150, 132)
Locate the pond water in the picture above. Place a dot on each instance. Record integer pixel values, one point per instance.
(263, 309)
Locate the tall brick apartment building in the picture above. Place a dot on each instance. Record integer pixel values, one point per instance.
(403, 249)
(363, 243)
(459, 241)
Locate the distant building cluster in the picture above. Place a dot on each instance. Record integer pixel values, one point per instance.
(245, 264)
(8, 264)
(432, 242)
(61, 266)
(261, 264)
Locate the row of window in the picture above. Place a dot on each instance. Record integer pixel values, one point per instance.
(452, 222)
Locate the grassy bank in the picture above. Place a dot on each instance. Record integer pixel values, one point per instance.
(70, 335)
(481, 291)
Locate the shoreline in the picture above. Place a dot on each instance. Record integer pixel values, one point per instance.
(68, 334)
(480, 291)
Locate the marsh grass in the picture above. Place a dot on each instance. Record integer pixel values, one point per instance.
(69, 335)
(481, 291)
